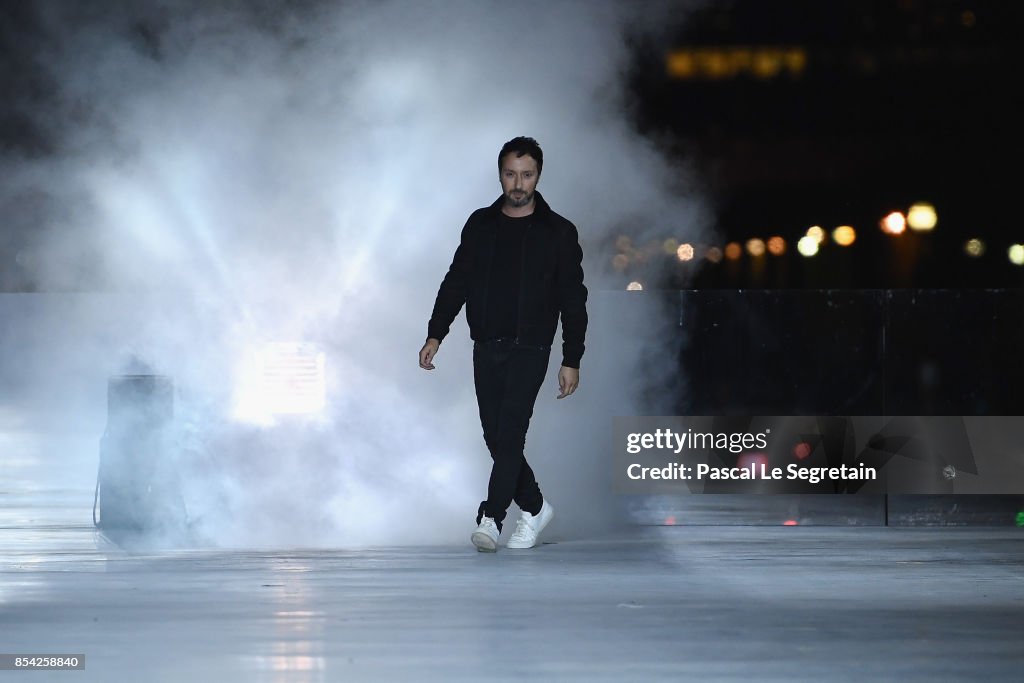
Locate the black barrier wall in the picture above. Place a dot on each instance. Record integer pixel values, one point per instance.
(846, 352)
(842, 353)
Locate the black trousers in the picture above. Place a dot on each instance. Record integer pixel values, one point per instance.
(508, 376)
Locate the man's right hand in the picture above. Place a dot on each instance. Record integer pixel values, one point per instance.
(428, 352)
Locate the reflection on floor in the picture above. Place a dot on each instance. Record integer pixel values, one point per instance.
(659, 603)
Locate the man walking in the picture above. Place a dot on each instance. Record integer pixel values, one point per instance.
(517, 268)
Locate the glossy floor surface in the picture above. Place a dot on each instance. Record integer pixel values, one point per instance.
(656, 603)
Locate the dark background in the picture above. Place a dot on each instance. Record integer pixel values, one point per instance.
(897, 102)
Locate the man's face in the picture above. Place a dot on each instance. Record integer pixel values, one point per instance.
(518, 179)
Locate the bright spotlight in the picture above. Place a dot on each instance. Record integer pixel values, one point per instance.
(893, 224)
(282, 378)
(634, 286)
(808, 245)
(685, 252)
(1016, 254)
(922, 217)
(844, 235)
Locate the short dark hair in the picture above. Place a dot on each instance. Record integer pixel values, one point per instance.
(522, 146)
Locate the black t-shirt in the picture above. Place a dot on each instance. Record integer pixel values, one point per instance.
(502, 313)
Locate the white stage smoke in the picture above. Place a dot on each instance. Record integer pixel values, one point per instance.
(232, 177)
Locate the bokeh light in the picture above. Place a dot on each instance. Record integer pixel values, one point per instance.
(754, 459)
(1016, 254)
(634, 286)
(755, 246)
(974, 247)
(807, 246)
(893, 224)
(620, 261)
(817, 233)
(844, 235)
(670, 245)
(685, 252)
(733, 251)
(922, 217)
(714, 254)
(767, 63)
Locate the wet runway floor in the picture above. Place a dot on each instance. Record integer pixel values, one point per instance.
(656, 603)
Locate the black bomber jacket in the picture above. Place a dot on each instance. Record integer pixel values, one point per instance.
(551, 282)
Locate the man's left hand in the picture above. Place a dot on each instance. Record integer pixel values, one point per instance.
(568, 380)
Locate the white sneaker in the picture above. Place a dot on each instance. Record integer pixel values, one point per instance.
(485, 538)
(528, 527)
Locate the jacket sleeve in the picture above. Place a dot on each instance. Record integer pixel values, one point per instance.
(452, 293)
(572, 297)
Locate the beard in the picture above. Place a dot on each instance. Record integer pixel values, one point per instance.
(517, 200)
